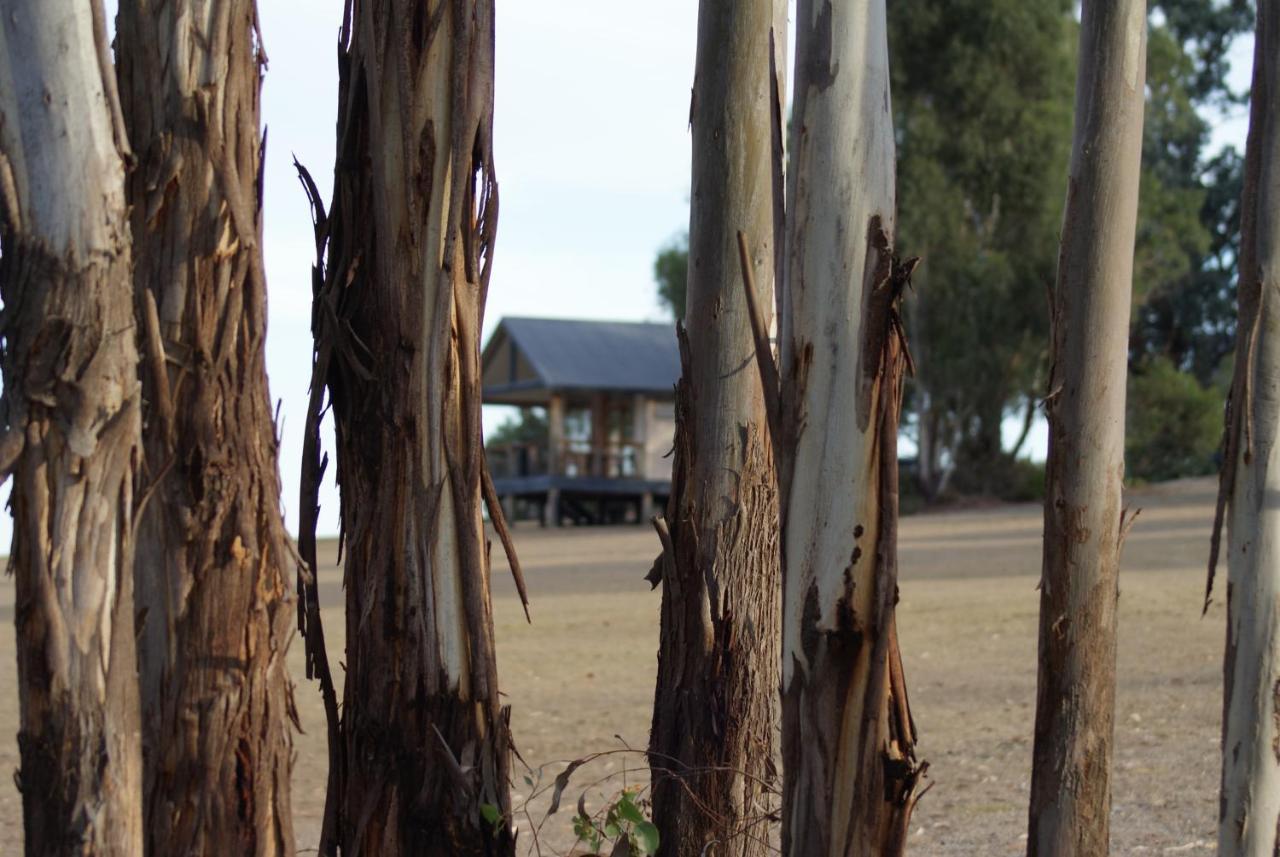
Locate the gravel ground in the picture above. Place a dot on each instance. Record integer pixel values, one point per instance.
(580, 678)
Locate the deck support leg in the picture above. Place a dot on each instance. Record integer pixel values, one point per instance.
(551, 511)
(646, 507)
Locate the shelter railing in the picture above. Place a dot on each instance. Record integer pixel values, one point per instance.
(614, 460)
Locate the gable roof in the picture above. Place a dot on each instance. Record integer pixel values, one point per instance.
(574, 354)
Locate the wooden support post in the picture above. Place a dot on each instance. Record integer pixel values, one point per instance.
(597, 464)
(551, 511)
(646, 507)
(555, 434)
(640, 437)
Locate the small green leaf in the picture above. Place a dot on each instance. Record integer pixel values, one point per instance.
(492, 815)
(628, 811)
(646, 838)
(612, 830)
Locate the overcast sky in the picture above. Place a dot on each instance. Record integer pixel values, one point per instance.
(592, 152)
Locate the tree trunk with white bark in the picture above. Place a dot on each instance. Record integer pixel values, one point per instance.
(423, 741)
(71, 422)
(1250, 805)
(711, 748)
(851, 778)
(214, 563)
(1083, 527)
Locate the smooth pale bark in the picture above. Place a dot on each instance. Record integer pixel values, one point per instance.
(424, 739)
(71, 421)
(850, 774)
(1075, 699)
(1250, 807)
(213, 563)
(711, 747)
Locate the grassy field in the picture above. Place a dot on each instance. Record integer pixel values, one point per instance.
(580, 678)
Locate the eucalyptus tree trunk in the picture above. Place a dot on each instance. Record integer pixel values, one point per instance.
(1075, 699)
(711, 748)
(71, 429)
(1250, 806)
(851, 778)
(424, 740)
(212, 569)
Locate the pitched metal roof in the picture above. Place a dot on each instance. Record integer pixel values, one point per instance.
(638, 357)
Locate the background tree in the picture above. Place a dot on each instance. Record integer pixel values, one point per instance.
(213, 558)
(848, 741)
(1083, 521)
(71, 429)
(1189, 220)
(671, 274)
(982, 96)
(1173, 425)
(1250, 805)
(983, 99)
(711, 747)
(423, 743)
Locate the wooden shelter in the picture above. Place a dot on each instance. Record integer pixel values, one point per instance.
(608, 390)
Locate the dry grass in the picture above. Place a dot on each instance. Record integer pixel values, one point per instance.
(583, 672)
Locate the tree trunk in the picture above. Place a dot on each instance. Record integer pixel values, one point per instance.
(1075, 700)
(713, 722)
(1250, 807)
(71, 419)
(213, 559)
(851, 778)
(424, 740)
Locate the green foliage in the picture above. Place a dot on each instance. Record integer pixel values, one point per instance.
(1174, 423)
(492, 817)
(1190, 319)
(1013, 480)
(983, 101)
(671, 273)
(1207, 29)
(623, 820)
(982, 91)
(1189, 226)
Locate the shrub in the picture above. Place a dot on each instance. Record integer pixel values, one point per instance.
(1174, 424)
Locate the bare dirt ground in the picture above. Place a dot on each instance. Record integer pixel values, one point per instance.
(583, 673)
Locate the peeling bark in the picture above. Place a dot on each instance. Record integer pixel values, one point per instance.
(71, 399)
(711, 747)
(213, 558)
(1249, 823)
(1075, 699)
(424, 741)
(851, 778)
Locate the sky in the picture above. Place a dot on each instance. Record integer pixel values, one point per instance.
(592, 151)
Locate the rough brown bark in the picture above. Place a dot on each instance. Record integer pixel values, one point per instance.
(213, 559)
(1075, 698)
(851, 779)
(71, 421)
(712, 742)
(1249, 812)
(424, 739)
